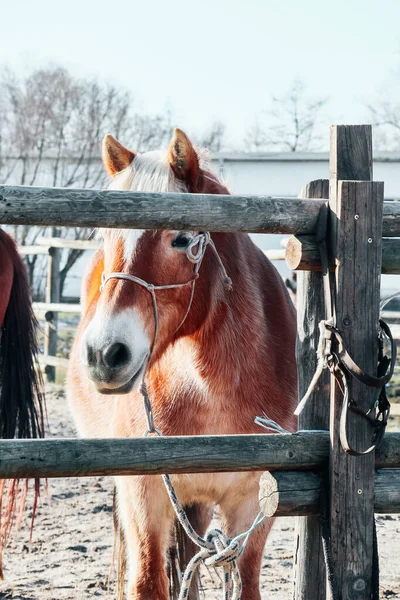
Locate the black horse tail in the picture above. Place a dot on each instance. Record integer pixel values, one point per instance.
(22, 402)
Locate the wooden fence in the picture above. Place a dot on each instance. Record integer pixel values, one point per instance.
(299, 252)
(52, 247)
(359, 220)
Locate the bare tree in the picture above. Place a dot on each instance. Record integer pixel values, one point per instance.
(255, 139)
(213, 137)
(289, 124)
(51, 127)
(385, 116)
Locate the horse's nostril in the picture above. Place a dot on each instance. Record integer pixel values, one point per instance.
(116, 355)
(88, 355)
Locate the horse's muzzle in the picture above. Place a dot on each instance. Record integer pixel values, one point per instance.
(114, 350)
(112, 368)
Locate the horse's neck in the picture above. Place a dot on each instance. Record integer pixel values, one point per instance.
(229, 345)
(231, 364)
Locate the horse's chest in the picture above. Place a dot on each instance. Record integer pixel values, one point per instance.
(214, 488)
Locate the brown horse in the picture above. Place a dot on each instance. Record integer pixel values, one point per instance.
(21, 396)
(213, 360)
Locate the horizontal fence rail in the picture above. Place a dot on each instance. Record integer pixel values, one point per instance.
(294, 493)
(21, 205)
(63, 243)
(57, 307)
(184, 454)
(302, 254)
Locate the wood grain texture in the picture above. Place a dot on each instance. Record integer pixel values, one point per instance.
(351, 153)
(21, 205)
(391, 219)
(196, 454)
(294, 493)
(387, 491)
(309, 566)
(53, 294)
(391, 256)
(57, 242)
(357, 251)
(57, 307)
(54, 361)
(110, 208)
(388, 455)
(27, 250)
(302, 254)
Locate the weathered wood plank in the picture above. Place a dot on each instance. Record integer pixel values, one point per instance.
(388, 455)
(296, 493)
(78, 457)
(356, 236)
(54, 361)
(302, 254)
(57, 307)
(275, 254)
(387, 491)
(293, 496)
(27, 250)
(53, 294)
(109, 208)
(391, 219)
(56, 242)
(309, 566)
(350, 153)
(391, 256)
(196, 454)
(391, 316)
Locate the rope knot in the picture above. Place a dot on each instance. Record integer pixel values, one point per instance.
(223, 550)
(217, 550)
(200, 240)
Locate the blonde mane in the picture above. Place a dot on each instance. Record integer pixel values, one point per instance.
(151, 172)
(148, 172)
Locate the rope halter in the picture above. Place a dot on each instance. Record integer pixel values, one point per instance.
(199, 241)
(216, 549)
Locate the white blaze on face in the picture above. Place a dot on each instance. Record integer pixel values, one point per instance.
(149, 172)
(131, 238)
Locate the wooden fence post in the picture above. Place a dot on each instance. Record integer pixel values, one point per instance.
(309, 566)
(356, 236)
(52, 295)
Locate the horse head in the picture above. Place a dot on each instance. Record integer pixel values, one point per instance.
(147, 295)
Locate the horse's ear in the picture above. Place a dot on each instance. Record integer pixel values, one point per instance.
(116, 157)
(183, 157)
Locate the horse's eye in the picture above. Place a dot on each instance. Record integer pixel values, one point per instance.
(181, 241)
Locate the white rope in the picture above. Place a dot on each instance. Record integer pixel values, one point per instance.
(386, 301)
(216, 549)
(321, 365)
(274, 427)
(269, 424)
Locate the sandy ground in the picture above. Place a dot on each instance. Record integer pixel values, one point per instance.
(70, 554)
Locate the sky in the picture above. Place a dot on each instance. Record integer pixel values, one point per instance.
(216, 59)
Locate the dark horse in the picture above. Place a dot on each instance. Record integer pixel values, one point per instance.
(21, 396)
